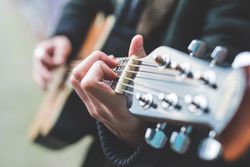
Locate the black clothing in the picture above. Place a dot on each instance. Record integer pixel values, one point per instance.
(216, 22)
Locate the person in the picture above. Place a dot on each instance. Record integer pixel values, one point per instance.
(161, 22)
(103, 104)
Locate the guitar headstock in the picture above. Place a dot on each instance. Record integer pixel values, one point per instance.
(172, 87)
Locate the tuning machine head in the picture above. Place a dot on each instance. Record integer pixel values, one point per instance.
(163, 61)
(197, 48)
(218, 55)
(146, 100)
(156, 138)
(180, 141)
(210, 148)
(169, 101)
(197, 104)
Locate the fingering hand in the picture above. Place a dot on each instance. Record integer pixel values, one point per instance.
(101, 100)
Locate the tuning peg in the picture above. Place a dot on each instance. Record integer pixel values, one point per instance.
(156, 138)
(197, 48)
(197, 104)
(210, 148)
(218, 55)
(146, 100)
(162, 60)
(169, 101)
(180, 141)
(207, 77)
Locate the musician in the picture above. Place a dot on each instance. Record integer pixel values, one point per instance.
(161, 22)
(124, 145)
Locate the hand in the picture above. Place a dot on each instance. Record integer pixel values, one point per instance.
(49, 55)
(101, 101)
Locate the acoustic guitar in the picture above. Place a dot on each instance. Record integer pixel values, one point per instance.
(60, 115)
(172, 87)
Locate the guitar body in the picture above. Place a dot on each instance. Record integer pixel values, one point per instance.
(62, 113)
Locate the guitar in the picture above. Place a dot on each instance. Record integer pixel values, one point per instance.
(171, 87)
(57, 122)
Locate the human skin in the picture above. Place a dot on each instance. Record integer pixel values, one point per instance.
(101, 100)
(49, 55)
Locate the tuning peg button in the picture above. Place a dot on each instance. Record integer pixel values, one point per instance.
(146, 100)
(156, 138)
(207, 77)
(197, 104)
(218, 55)
(197, 48)
(169, 101)
(162, 60)
(210, 148)
(180, 141)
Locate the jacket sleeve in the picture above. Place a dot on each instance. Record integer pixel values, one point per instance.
(227, 23)
(76, 18)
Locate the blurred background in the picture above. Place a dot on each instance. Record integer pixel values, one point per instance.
(22, 24)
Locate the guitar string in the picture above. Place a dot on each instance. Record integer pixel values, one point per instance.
(184, 81)
(136, 83)
(143, 86)
(181, 78)
(149, 72)
(142, 64)
(127, 91)
(141, 91)
(124, 60)
(76, 62)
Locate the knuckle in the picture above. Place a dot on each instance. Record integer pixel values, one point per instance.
(97, 53)
(86, 84)
(94, 114)
(77, 74)
(99, 63)
(73, 81)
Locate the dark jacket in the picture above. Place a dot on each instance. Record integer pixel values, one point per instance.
(216, 22)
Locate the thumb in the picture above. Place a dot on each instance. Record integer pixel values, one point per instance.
(241, 60)
(136, 47)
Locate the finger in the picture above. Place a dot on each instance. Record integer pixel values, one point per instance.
(136, 47)
(96, 74)
(42, 54)
(38, 80)
(44, 75)
(90, 102)
(99, 110)
(62, 50)
(241, 60)
(93, 83)
(76, 85)
(112, 56)
(44, 71)
(80, 71)
(83, 96)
